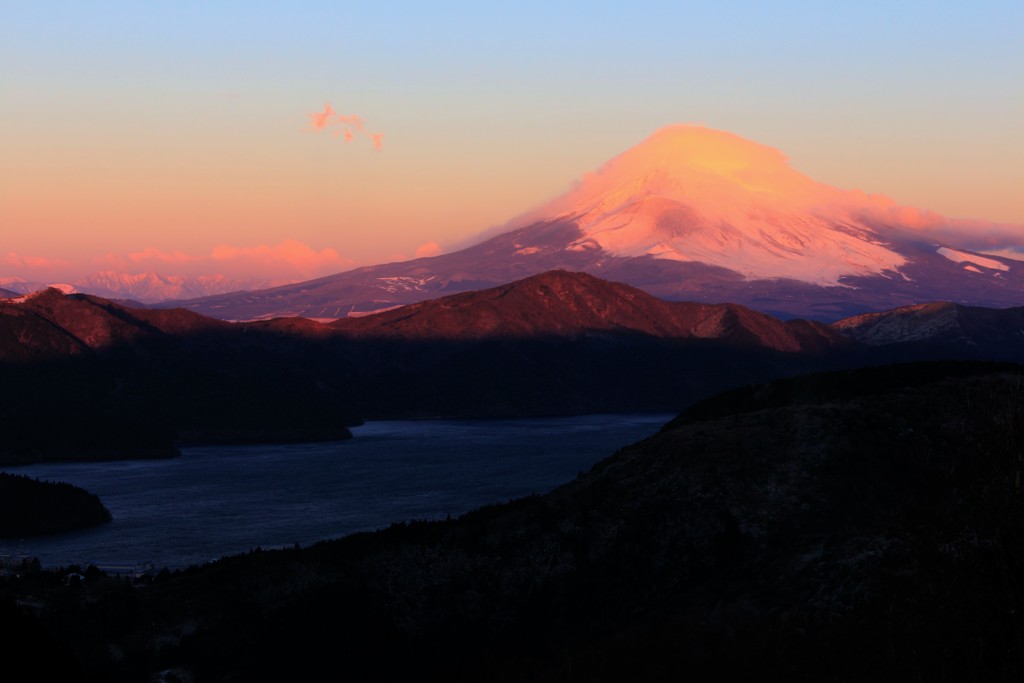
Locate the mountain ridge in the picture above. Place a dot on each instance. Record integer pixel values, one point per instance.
(564, 303)
(548, 305)
(946, 321)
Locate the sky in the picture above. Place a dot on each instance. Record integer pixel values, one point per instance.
(275, 140)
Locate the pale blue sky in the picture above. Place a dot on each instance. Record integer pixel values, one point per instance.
(486, 110)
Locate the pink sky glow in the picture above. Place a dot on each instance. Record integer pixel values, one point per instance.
(150, 135)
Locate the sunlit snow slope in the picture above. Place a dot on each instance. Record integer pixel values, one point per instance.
(689, 193)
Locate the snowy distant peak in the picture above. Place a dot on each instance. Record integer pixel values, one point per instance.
(144, 287)
(971, 261)
(152, 287)
(690, 193)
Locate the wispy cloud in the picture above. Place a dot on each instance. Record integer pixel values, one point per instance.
(428, 249)
(290, 254)
(288, 260)
(350, 120)
(976, 235)
(27, 262)
(154, 254)
(342, 125)
(320, 120)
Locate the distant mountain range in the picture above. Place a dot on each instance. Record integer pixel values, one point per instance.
(144, 288)
(690, 214)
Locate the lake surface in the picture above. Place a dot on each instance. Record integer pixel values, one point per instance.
(221, 500)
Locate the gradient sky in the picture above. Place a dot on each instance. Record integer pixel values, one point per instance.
(176, 136)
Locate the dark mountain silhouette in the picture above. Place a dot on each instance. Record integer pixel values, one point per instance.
(29, 507)
(874, 532)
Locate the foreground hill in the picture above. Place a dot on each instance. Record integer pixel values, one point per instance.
(874, 533)
(29, 507)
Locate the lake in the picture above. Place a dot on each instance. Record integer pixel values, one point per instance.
(222, 500)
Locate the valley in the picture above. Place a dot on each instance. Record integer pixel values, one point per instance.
(842, 528)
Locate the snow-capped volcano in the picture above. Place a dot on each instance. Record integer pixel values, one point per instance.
(694, 194)
(695, 214)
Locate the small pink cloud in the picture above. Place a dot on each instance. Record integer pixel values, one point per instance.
(34, 262)
(966, 233)
(34, 268)
(320, 120)
(428, 249)
(288, 256)
(339, 125)
(352, 120)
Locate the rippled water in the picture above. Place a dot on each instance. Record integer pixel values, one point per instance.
(215, 500)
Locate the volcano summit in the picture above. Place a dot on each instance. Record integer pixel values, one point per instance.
(697, 214)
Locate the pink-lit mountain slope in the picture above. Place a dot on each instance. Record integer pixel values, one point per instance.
(50, 323)
(561, 304)
(692, 214)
